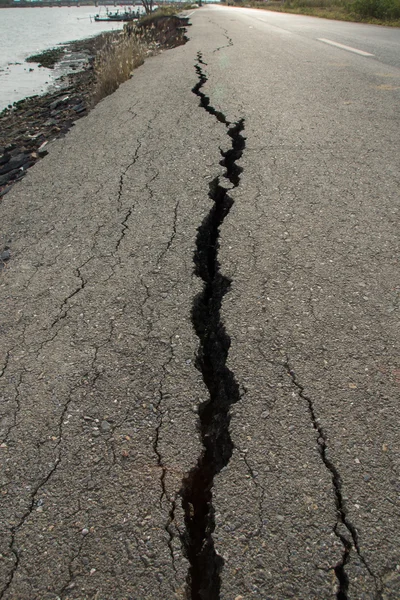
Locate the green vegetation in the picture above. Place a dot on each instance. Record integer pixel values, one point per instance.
(149, 18)
(379, 12)
(385, 10)
(166, 10)
(47, 58)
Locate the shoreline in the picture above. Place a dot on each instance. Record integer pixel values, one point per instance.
(56, 5)
(31, 124)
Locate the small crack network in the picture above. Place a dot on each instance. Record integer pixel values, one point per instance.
(350, 540)
(205, 563)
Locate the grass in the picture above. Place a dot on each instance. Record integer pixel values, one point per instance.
(169, 10)
(119, 56)
(377, 12)
(165, 11)
(115, 62)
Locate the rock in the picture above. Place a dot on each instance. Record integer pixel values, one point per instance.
(28, 164)
(5, 255)
(10, 176)
(57, 102)
(79, 108)
(4, 158)
(15, 162)
(41, 150)
(4, 179)
(18, 158)
(105, 427)
(3, 192)
(19, 151)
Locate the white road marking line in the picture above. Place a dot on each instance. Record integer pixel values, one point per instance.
(349, 48)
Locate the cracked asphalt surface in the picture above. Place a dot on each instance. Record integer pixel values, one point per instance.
(200, 364)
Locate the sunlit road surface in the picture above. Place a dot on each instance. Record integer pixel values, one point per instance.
(200, 335)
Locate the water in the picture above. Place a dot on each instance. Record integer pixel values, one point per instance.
(27, 31)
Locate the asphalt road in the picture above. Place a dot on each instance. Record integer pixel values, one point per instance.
(382, 42)
(200, 332)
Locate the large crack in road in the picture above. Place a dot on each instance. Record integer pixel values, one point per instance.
(205, 563)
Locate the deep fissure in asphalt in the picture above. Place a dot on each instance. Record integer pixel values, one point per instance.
(205, 564)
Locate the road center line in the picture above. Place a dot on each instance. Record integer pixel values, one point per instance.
(349, 48)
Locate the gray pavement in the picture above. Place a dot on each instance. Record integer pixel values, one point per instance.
(183, 423)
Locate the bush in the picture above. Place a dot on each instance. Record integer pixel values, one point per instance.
(313, 3)
(377, 9)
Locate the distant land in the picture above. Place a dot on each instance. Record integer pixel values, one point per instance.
(41, 3)
(55, 3)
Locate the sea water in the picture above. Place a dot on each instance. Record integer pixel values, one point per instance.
(27, 31)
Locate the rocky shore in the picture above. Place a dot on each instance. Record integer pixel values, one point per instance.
(30, 124)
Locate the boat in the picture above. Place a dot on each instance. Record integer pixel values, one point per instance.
(127, 15)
